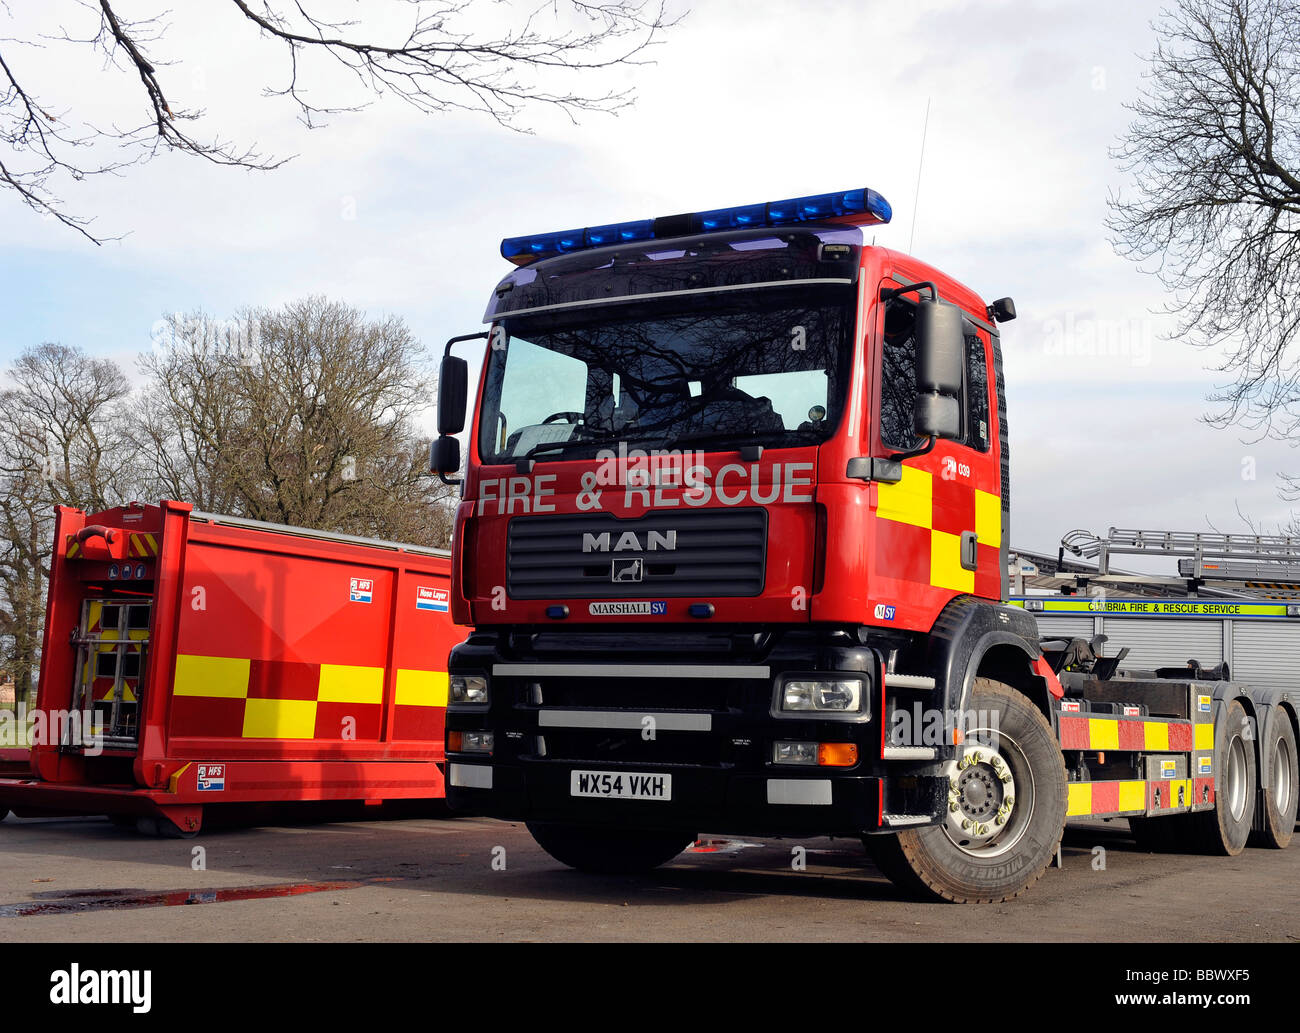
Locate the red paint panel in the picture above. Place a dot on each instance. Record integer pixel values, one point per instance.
(1203, 789)
(1074, 733)
(194, 716)
(953, 504)
(1105, 797)
(988, 579)
(1180, 735)
(419, 722)
(271, 605)
(278, 679)
(332, 719)
(1132, 734)
(903, 550)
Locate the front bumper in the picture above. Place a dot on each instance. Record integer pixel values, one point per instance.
(712, 728)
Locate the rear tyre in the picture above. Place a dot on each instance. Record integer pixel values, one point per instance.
(162, 828)
(1277, 799)
(1006, 810)
(609, 851)
(1225, 829)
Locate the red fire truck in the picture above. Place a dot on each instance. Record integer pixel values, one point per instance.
(193, 660)
(732, 543)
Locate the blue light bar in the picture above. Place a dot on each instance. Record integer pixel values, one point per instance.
(849, 207)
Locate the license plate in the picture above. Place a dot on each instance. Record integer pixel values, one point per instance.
(621, 785)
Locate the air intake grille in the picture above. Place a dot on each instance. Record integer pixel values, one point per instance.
(707, 554)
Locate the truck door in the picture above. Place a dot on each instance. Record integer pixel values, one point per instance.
(939, 529)
(112, 643)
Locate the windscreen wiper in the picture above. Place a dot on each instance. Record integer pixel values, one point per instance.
(605, 442)
(750, 450)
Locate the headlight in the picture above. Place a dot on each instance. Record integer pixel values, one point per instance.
(470, 689)
(794, 753)
(843, 696)
(470, 742)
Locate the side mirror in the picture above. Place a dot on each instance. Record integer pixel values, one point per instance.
(937, 416)
(453, 395)
(940, 358)
(444, 457)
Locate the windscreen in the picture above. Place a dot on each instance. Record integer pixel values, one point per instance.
(765, 368)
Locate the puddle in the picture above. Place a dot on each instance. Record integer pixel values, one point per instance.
(81, 901)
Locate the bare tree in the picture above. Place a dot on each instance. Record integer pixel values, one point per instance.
(63, 441)
(307, 415)
(1214, 152)
(439, 62)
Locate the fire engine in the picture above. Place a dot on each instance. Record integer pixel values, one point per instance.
(732, 544)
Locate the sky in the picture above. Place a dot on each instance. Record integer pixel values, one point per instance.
(396, 212)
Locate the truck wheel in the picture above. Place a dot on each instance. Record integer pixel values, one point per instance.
(609, 851)
(162, 828)
(1006, 809)
(1225, 829)
(1277, 802)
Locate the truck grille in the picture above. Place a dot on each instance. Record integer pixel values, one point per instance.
(717, 552)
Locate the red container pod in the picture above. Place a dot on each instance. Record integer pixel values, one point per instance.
(192, 659)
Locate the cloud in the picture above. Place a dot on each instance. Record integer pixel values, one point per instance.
(399, 213)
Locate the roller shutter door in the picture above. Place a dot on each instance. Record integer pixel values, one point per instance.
(1050, 626)
(1266, 654)
(1164, 643)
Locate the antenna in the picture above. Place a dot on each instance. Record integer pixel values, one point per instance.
(916, 198)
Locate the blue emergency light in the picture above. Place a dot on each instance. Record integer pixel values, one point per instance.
(847, 207)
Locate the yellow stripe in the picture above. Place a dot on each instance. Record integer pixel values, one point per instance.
(421, 688)
(1103, 734)
(73, 549)
(1157, 736)
(153, 544)
(946, 570)
(221, 677)
(1132, 796)
(174, 782)
(1203, 736)
(280, 719)
(988, 518)
(908, 501)
(1080, 801)
(342, 684)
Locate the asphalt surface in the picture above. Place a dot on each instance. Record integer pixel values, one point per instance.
(422, 879)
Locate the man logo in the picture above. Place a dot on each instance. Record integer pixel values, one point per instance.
(625, 570)
(629, 542)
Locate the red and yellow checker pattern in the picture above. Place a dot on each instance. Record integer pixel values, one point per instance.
(1135, 797)
(1183, 741)
(921, 521)
(1132, 733)
(230, 697)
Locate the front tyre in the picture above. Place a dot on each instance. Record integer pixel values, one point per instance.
(1006, 809)
(609, 851)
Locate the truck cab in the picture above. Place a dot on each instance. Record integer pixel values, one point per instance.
(735, 496)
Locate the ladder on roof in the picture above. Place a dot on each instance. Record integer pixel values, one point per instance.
(1240, 561)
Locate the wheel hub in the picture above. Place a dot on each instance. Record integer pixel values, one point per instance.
(981, 797)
